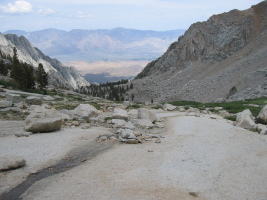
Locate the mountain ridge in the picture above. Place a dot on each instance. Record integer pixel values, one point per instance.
(59, 75)
(211, 59)
(102, 44)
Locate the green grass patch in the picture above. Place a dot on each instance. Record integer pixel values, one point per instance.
(65, 106)
(231, 107)
(134, 106)
(232, 118)
(108, 118)
(96, 105)
(157, 107)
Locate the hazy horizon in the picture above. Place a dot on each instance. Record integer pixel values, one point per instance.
(157, 15)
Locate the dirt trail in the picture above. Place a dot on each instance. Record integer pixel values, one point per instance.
(199, 156)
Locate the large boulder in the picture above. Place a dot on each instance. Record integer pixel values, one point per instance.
(11, 162)
(48, 98)
(85, 111)
(33, 100)
(14, 98)
(262, 116)
(144, 113)
(126, 103)
(245, 119)
(5, 104)
(120, 114)
(169, 107)
(43, 120)
(118, 123)
(143, 123)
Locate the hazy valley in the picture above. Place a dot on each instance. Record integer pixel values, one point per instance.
(124, 51)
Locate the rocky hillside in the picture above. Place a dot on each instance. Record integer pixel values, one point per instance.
(59, 75)
(101, 44)
(222, 58)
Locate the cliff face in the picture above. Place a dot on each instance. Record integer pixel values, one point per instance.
(227, 51)
(59, 75)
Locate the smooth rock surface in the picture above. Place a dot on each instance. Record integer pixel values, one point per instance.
(85, 111)
(245, 119)
(120, 114)
(11, 162)
(144, 113)
(5, 104)
(43, 120)
(33, 100)
(169, 107)
(262, 116)
(14, 98)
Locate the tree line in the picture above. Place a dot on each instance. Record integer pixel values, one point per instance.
(24, 75)
(114, 91)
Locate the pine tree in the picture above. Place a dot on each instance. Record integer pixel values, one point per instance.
(16, 69)
(3, 68)
(41, 77)
(29, 73)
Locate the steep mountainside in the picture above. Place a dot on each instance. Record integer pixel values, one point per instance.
(105, 44)
(224, 57)
(59, 75)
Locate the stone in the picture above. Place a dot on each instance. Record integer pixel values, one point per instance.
(262, 116)
(159, 125)
(20, 105)
(261, 128)
(75, 123)
(245, 119)
(220, 100)
(133, 113)
(48, 98)
(13, 109)
(120, 114)
(125, 133)
(131, 141)
(131, 136)
(65, 117)
(181, 109)
(158, 140)
(143, 123)
(102, 138)
(23, 134)
(5, 104)
(85, 111)
(129, 125)
(43, 120)
(169, 107)
(144, 113)
(11, 162)
(126, 103)
(137, 133)
(14, 98)
(213, 117)
(197, 114)
(118, 123)
(110, 109)
(58, 97)
(33, 100)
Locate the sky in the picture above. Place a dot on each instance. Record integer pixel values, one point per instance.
(159, 15)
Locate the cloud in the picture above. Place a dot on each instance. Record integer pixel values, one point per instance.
(45, 11)
(19, 7)
(82, 15)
